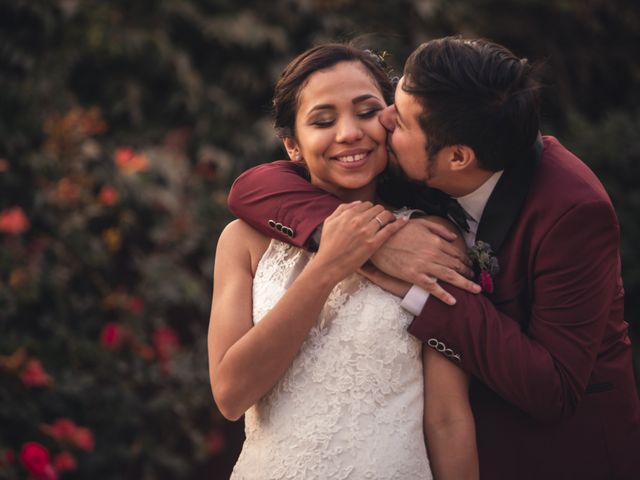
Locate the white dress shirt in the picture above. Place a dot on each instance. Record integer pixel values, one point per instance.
(473, 205)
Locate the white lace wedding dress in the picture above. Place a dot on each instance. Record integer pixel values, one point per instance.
(350, 406)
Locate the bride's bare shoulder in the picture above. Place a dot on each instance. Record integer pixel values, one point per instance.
(239, 238)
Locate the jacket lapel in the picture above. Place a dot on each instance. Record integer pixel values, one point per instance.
(507, 199)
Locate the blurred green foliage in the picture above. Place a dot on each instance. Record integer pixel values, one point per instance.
(121, 127)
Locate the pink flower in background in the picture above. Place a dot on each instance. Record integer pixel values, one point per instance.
(166, 343)
(65, 462)
(35, 459)
(83, 439)
(34, 375)
(129, 161)
(67, 191)
(13, 221)
(8, 457)
(61, 430)
(112, 335)
(66, 430)
(108, 196)
(216, 442)
(146, 352)
(136, 304)
(124, 155)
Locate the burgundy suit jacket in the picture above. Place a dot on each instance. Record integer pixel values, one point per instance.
(553, 391)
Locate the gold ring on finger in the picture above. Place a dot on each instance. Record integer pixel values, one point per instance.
(379, 221)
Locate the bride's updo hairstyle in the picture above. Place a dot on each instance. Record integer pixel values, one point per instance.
(295, 76)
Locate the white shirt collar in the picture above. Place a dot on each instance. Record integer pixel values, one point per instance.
(474, 202)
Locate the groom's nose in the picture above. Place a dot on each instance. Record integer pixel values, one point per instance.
(387, 118)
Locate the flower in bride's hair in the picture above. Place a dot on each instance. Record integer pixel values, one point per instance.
(485, 265)
(380, 59)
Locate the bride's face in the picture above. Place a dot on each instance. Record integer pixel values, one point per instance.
(337, 132)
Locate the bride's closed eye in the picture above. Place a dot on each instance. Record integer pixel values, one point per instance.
(370, 112)
(323, 122)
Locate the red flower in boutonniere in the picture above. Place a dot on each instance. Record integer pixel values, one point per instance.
(485, 264)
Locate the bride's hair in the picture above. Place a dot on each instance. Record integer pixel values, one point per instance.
(295, 75)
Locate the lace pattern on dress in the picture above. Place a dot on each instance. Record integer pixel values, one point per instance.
(350, 406)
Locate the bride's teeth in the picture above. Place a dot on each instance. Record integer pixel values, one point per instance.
(352, 158)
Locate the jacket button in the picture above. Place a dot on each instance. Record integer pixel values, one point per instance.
(272, 224)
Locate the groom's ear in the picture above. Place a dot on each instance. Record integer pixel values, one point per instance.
(462, 157)
(292, 148)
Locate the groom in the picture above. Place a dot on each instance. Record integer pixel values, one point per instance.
(553, 390)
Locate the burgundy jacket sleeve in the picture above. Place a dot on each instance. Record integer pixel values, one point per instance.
(574, 278)
(277, 200)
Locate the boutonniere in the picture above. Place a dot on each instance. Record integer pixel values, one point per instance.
(485, 264)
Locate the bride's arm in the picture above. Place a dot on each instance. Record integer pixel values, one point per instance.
(448, 420)
(449, 426)
(245, 361)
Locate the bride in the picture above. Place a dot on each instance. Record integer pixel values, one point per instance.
(315, 356)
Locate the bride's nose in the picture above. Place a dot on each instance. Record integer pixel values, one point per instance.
(387, 118)
(349, 130)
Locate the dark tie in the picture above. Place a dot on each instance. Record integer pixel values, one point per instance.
(398, 191)
(457, 213)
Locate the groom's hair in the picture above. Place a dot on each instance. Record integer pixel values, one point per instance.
(475, 93)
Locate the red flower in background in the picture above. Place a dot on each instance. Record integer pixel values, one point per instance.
(62, 429)
(65, 462)
(108, 196)
(67, 191)
(129, 161)
(166, 343)
(216, 442)
(35, 459)
(7, 457)
(13, 221)
(34, 375)
(66, 430)
(112, 335)
(136, 304)
(145, 352)
(83, 439)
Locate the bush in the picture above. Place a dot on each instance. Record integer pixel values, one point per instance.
(121, 126)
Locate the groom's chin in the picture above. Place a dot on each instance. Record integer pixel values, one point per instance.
(394, 165)
(396, 171)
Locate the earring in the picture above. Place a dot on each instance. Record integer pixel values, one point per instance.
(297, 157)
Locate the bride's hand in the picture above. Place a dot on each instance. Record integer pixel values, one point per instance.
(351, 234)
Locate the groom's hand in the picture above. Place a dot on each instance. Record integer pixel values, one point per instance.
(426, 250)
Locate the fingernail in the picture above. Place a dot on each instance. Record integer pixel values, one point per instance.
(477, 288)
(452, 301)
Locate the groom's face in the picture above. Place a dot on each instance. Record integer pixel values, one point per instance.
(407, 141)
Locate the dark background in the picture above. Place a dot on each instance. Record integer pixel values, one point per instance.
(122, 124)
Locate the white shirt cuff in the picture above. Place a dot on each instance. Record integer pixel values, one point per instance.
(415, 300)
